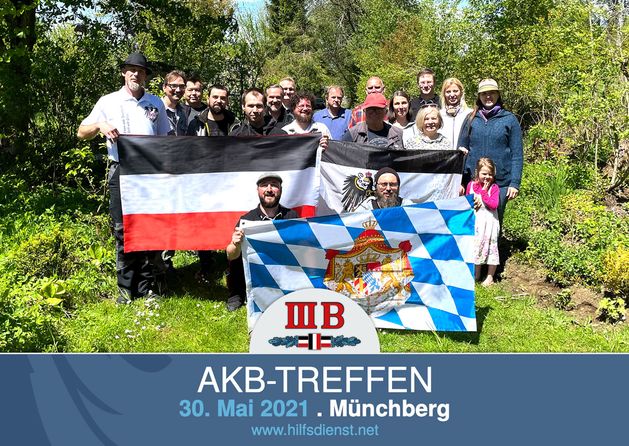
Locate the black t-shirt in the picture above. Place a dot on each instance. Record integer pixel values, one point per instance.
(256, 214)
(245, 129)
(378, 138)
(419, 103)
(194, 112)
(219, 128)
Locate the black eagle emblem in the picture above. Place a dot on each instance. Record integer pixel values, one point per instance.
(356, 188)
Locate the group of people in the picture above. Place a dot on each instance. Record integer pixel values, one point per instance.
(487, 133)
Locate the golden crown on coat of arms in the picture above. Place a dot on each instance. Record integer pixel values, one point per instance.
(370, 224)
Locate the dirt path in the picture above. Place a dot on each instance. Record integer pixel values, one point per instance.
(522, 279)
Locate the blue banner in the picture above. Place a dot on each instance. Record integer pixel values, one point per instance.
(334, 400)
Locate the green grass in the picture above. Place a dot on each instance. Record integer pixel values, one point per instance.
(513, 324)
(192, 323)
(34, 246)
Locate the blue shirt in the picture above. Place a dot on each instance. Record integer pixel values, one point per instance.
(336, 124)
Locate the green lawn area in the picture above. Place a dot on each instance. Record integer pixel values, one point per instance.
(195, 319)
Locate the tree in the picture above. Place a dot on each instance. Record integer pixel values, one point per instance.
(58, 59)
(17, 24)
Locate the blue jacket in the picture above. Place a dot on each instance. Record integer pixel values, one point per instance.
(499, 138)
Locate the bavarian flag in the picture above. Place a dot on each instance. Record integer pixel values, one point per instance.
(409, 267)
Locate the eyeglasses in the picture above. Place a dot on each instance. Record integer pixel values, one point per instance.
(176, 86)
(385, 185)
(374, 87)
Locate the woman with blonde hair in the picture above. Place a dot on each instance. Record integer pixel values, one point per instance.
(454, 110)
(428, 122)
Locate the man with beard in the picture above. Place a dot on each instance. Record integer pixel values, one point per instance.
(276, 114)
(216, 120)
(194, 98)
(387, 191)
(301, 104)
(427, 97)
(335, 117)
(174, 88)
(375, 131)
(128, 111)
(269, 193)
(253, 101)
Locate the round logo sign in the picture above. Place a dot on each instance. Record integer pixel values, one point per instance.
(314, 321)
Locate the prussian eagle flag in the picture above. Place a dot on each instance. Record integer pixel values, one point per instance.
(409, 267)
(187, 193)
(347, 171)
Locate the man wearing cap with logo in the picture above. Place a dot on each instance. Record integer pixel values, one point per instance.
(375, 131)
(269, 193)
(128, 111)
(387, 188)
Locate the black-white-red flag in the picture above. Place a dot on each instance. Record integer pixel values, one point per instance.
(187, 193)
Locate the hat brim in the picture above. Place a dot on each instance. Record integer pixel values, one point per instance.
(147, 69)
(272, 177)
(486, 89)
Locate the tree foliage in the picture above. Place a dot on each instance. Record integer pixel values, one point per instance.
(563, 65)
(58, 58)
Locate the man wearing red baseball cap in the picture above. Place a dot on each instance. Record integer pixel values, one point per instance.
(375, 131)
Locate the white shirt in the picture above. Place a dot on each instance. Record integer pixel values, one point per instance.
(409, 133)
(294, 129)
(131, 116)
(452, 125)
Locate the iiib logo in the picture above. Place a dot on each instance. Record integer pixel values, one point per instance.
(314, 321)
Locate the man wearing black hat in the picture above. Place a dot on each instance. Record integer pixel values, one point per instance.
(387, 191)
(269, 193)
(132, 111)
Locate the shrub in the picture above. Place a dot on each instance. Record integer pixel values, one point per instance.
(587, 222)
(46, 254)
(611, 310)
(616, 271)
(563, 300)
(27, 322)
(567, 262)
